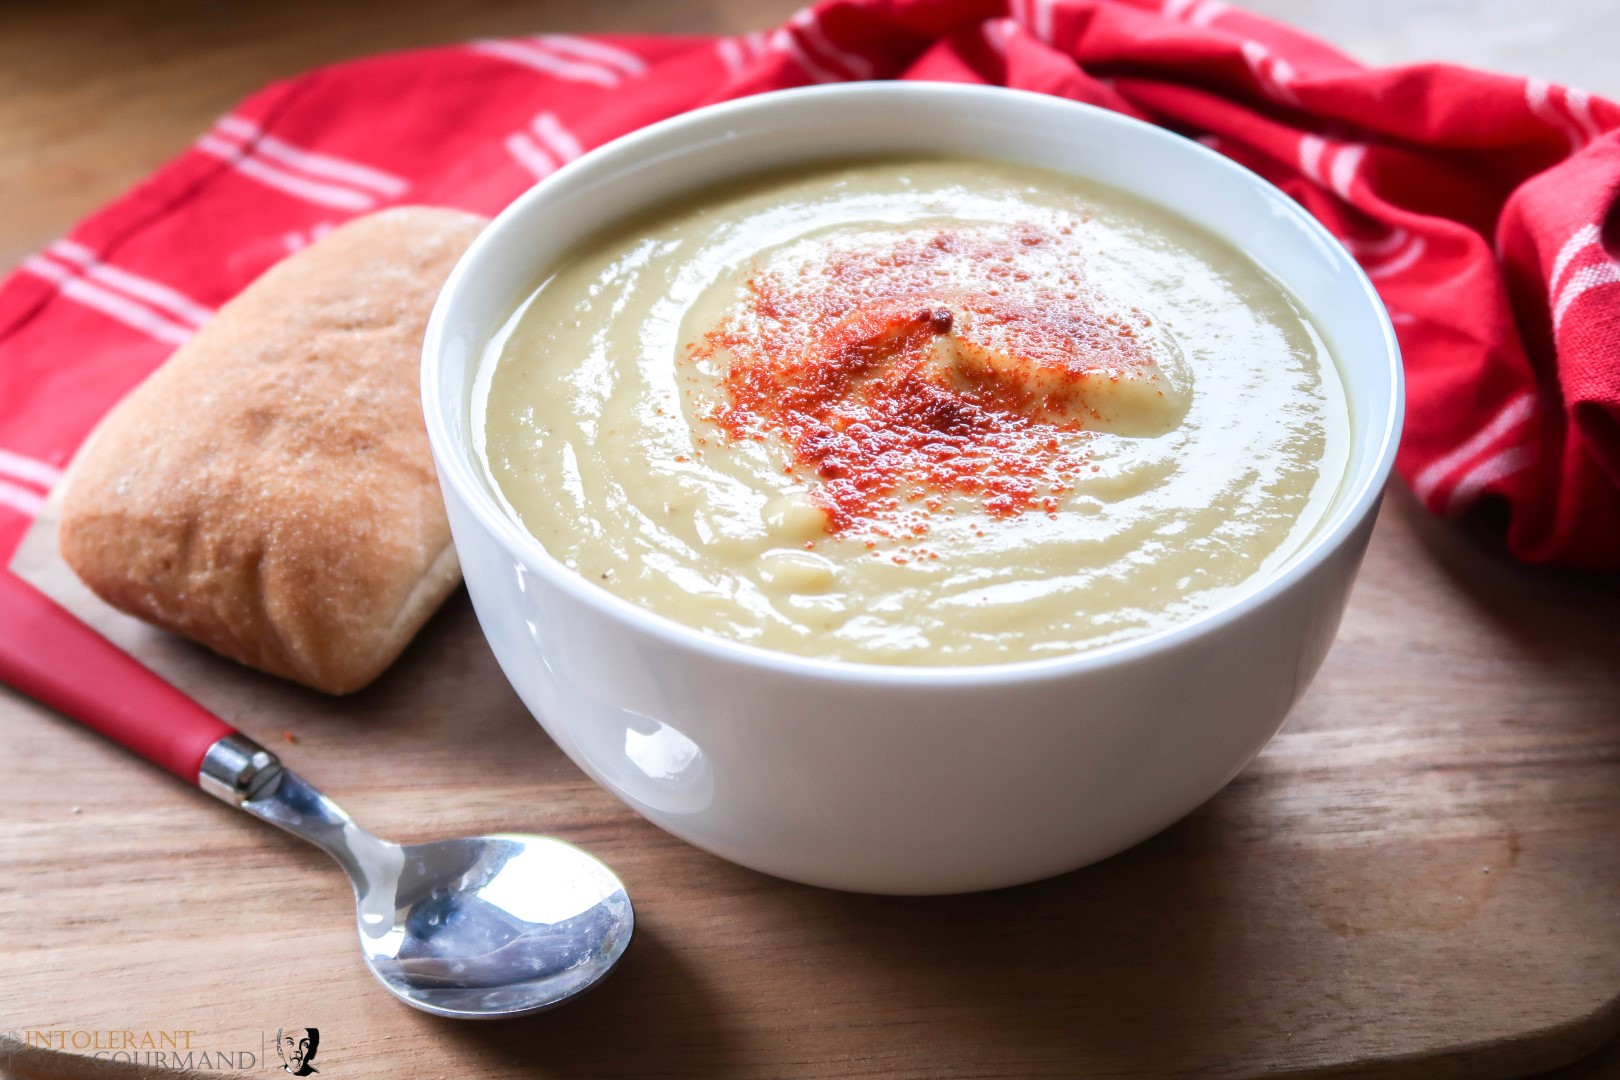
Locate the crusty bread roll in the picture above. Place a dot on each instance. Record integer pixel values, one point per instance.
(269, 491)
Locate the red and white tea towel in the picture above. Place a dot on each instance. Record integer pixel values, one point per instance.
(1481, 205)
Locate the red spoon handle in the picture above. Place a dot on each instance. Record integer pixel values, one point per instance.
(49, 655)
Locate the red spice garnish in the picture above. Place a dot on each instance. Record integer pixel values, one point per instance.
(887, 381)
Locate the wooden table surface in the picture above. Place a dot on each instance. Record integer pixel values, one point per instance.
(1419, 877)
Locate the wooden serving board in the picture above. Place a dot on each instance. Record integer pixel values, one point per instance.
(1420, 877)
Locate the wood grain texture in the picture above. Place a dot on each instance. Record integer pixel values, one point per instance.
(1419, 877)
(1329, 914)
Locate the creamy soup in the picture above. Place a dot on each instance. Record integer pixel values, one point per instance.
(914, 412)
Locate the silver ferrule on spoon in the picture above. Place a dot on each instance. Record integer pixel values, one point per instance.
(239, 771)
(236, 769)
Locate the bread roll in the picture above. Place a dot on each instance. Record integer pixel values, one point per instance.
(269, 491)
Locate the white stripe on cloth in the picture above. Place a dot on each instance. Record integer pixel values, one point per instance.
(132, 313)
(310, 162)
(527, 153)
(995, 34)
(1346, 164)
(155, 293)
(853, 64)
(1274, 74)
(1193, 12)
(1580, 107)
(1538, 98)
(1508, 418)
(21, 500)
(1311, 148)
(613, 56)
(299, 239)
(731, 54)
(736, 52)
(786, 42)
(532, 56)
(1403, 261)
(1040, 20)
(1580, 283)
(1342, 161)
(299, 187)
(1487, 472)
(556, 138)
(1387, 244)
(32, 470)
(1584, 237)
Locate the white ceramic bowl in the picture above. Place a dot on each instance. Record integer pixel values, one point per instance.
(891, 779)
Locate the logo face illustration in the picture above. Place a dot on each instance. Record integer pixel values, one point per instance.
(296, 1047)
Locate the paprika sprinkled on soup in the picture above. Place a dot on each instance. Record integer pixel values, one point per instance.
(914, 411)
(937, 365)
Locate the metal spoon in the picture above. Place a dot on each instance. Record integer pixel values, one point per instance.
(480, 927)
(476, 928)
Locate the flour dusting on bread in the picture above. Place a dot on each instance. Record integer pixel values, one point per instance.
(269, 492)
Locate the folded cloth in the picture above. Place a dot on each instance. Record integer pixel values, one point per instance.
(1480, 205)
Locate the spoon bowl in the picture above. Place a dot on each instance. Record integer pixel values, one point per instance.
(481, 927)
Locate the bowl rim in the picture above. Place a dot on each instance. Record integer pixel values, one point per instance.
(455, 471)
